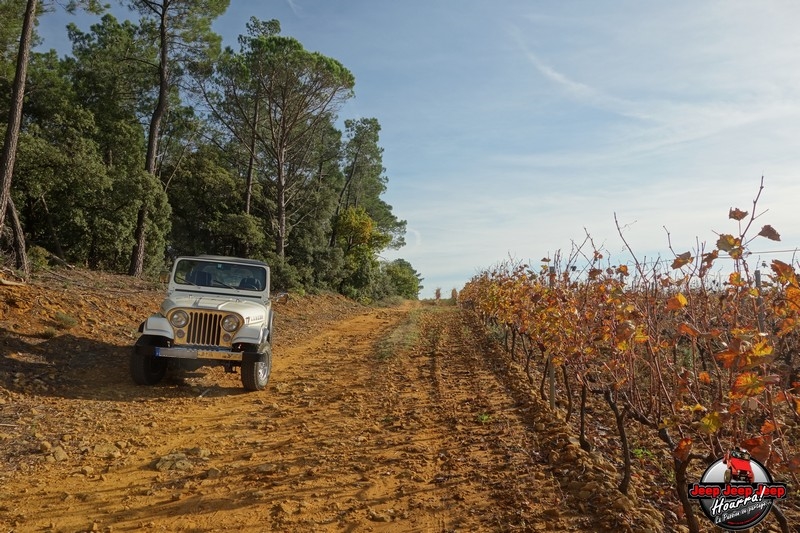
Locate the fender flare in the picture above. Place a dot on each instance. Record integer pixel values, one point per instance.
(157, 326)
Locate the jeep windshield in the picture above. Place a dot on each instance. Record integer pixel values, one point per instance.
(740, 455)
(203, 273)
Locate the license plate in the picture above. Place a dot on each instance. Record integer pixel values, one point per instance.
(228, 356)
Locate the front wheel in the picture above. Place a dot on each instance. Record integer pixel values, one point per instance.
(728, 476)
(255, 374)
(147, 369)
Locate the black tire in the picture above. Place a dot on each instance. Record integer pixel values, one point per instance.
(727, 476)
(255, 374)
(147, 369)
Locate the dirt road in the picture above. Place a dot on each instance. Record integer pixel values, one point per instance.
(375, 419)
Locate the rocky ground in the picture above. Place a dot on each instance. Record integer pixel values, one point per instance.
(403, 418)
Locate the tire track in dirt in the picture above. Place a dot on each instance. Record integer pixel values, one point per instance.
(486, 456)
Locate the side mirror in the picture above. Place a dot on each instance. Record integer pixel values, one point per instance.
(281, 297)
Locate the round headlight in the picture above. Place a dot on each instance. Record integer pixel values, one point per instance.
(179, 319)
(230, 323)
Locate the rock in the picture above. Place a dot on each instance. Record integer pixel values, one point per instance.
(268, 468)
(106, 451)
(59, 454)
(174, 461)
(551, 512)
(594, 486)
(622, 503)
(375, 516)
(182, 464)
(213, 473)
(281, 508)
(199, 452)
(45, 447)
(87, 470)
(575, 485)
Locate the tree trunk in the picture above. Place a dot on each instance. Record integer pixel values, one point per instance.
(280, 237)
(19, 240)
(280, 233)
(248, 191)
(137, 256)
(9, 154)
(52, 227)
(344, 190)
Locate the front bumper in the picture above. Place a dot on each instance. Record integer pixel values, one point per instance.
(192, 352)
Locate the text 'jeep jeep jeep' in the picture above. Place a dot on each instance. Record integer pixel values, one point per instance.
(217, 312)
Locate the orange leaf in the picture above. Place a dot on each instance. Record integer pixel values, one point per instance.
(704, 378)
(676, 302)
(708, 259)
(682, 450)
(748, 384)
(736, 279)
(687, 329)
(762, 348)
(793, 296)
(770, 233)
(727, 357)
(767, 427)
(737, 214)
(784, 271)
(794, 464)
(683, 259)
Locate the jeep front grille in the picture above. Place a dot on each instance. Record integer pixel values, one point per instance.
(204, 329)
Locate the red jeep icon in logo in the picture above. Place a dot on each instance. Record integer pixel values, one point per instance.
(738, 462)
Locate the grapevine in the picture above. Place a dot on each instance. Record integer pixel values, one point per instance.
(705, 366)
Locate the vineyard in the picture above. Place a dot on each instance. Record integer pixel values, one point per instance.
(665, 350)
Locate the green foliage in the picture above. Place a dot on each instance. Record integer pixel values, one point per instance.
(404, 279)
(365, 181)
(65, 321)
(39, 258)
(266, 174)
(356, 229)
(205, 194)
(48, 333)
(11, 13)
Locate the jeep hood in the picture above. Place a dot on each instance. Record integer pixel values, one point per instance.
(246, 308)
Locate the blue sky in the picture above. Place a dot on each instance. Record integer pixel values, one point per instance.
(511, 128)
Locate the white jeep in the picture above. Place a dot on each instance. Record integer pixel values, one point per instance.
(217, 311)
